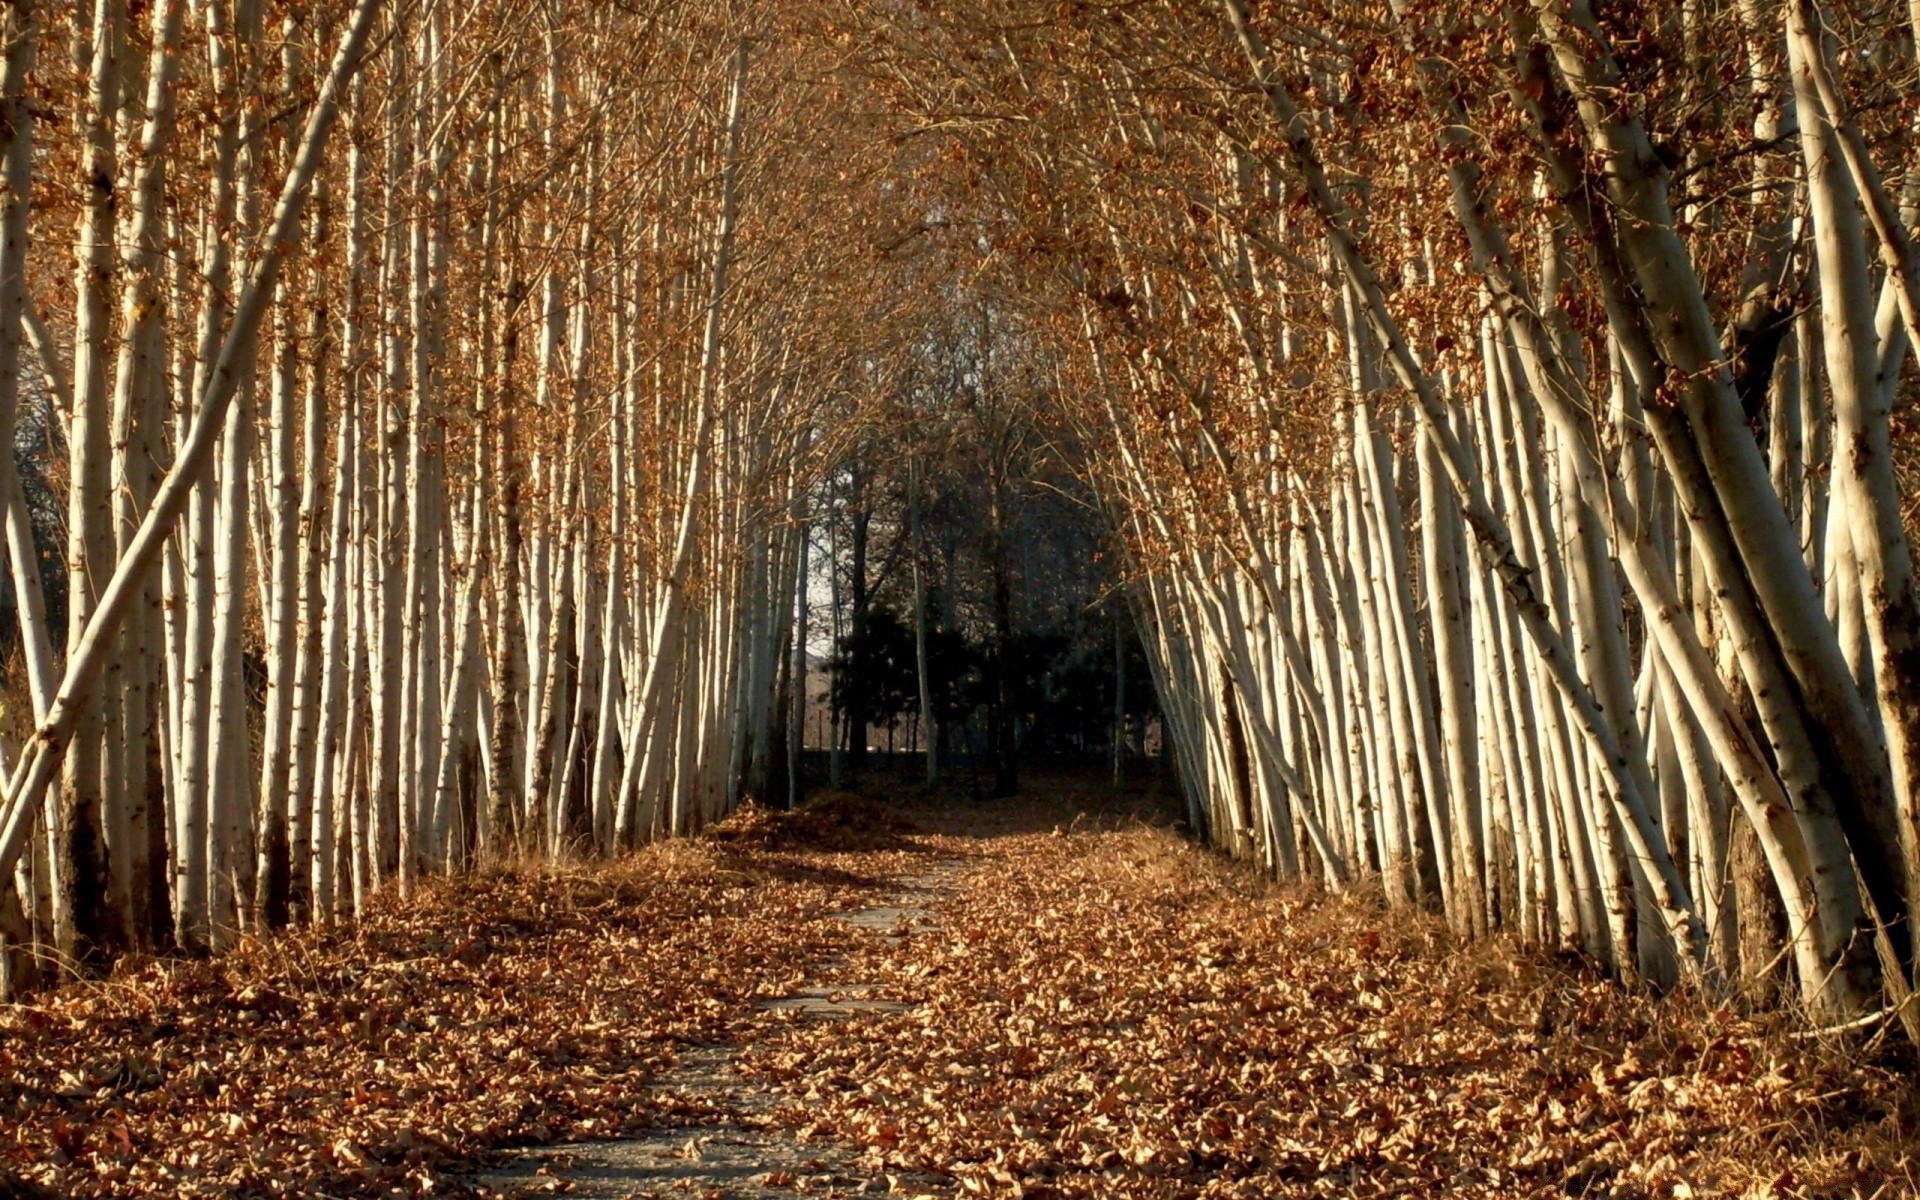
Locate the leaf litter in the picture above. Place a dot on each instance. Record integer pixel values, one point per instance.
(1105, 1011)
(1118, 1013)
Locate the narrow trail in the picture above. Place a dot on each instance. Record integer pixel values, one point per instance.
(1048, 999)
(1064, 1003)
(735, 1145)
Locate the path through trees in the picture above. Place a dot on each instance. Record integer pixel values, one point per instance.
(1469, 444)
(1489, 424)
(1087, 1006)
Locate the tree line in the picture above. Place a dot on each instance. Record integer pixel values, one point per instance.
(967, 581)
(1504, 408)
(437, 385)
(1498, 412)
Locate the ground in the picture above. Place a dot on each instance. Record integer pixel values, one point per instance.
(1058, 996)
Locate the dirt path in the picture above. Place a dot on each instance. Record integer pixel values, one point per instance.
(1047, 999)
(1098, 1009)
(737, 1146)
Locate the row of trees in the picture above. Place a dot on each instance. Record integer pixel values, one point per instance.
(1496, 410)
(439, 382)
(1499, 404)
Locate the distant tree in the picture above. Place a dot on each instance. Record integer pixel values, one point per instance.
(873, 668)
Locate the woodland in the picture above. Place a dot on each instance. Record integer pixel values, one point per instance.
(468, 468)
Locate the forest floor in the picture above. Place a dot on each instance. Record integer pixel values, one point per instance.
(1057, 996)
